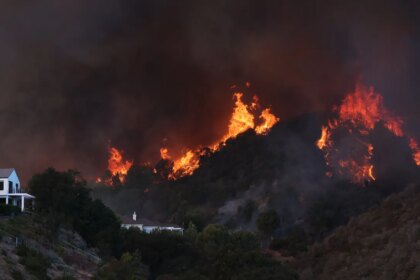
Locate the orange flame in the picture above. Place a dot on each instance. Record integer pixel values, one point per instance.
(186, 165)
(325, 138)
(361, 111)
(241, 120)
(364, 109)
(269, 120)
(116, 164)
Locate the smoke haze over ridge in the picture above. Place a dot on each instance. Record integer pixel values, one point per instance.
(75, 75)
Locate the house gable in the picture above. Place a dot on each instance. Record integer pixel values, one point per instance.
(9, 181)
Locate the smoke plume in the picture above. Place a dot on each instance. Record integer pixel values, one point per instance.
(77, 75)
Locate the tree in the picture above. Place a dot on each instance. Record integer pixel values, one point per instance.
(268, 222)
(191, 232)
(128, 267)
(63, 200)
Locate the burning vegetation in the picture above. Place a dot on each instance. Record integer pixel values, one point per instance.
(117, 166)
(244, 117)
(358, 115)
(241, 120)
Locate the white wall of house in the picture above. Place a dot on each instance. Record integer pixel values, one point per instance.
(127, 226)
(151, 229)
(4, 186)
(13, 180)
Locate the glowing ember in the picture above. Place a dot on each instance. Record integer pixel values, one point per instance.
(116, 164)
(241, 120)
(370, 173)
(164, 154)
(359, 113)
(416, 151)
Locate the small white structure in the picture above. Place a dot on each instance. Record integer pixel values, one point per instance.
(149, 227)
(10, 189)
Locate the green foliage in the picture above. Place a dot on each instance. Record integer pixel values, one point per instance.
(215, 253)
(292, 244)
(164, 252)
(191, 232)
(62, 197)
(199, 217)
(128, 267)
(17, 275)
(34, 262)
(266, 273)
(268, 222)
(9, 209)
(66, 277)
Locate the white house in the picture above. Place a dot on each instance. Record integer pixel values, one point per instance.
(148, 226)
(11, 191)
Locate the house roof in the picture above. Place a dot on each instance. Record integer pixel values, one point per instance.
(6, 172)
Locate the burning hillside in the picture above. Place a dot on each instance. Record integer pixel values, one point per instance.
(346, 139)
(357, 116)
(244, 117)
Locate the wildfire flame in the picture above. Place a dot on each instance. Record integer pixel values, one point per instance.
(268, 121)
(117, 165)
(359, 113)
(364, 108)
(242, 119)
(325, 138)
(186, 165)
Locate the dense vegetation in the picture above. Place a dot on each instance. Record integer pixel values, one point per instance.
(282, 173)
(213, 253)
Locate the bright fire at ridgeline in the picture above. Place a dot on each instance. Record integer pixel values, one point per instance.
(359, 113)
(242, 119)
(357, 116)
(117, 166)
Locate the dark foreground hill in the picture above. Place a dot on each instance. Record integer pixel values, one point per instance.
(383, 243)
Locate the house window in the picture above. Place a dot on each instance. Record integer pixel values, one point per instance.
(1, 185)
(10, 187)
(17, 188)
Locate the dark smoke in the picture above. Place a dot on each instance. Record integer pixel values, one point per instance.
(77, 74)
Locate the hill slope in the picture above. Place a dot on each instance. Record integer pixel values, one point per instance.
(383, 243)
(29, 251)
